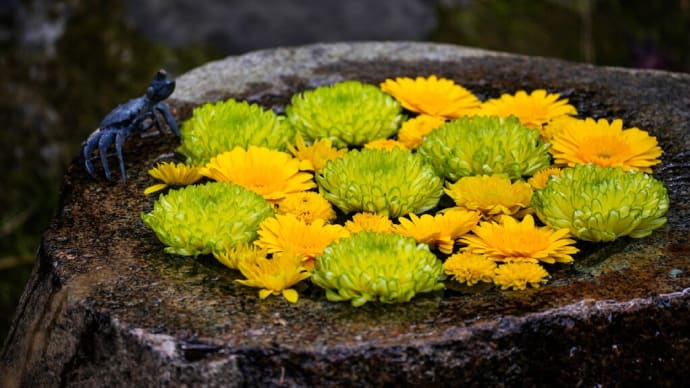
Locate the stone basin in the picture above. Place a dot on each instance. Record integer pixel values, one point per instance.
(106, 306)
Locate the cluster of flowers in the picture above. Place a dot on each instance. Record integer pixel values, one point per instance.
(384, 157)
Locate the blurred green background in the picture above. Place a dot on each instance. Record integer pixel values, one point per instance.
(52, 96)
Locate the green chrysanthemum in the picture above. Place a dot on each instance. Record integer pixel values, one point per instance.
(347, 113)
(207, 218)
(218, 127)
(602, 203)
(369, 266)
(393, 183)
(485, 145)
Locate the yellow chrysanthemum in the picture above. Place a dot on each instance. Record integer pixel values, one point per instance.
(541, 177)
(230, 256)
(307, 206)
(533, 110)
(517, 275)
(605, 144)
(558, 125)
(287, 233)
(172, 174)
(469, 268)
(269, 173)
(440, 230)
(372, 222)
(314, 156)
(509, 240)
(412, 131)
(432, 96)
(386, 144)
(492, 195)
(274, 276)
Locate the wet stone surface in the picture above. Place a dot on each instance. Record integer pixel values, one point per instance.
(105, 305)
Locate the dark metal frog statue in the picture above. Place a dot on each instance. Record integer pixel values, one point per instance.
(136, 114)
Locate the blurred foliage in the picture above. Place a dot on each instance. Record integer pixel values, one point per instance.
(49, 104)
(631, 33)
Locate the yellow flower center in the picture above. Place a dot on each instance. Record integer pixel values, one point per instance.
(604, 150)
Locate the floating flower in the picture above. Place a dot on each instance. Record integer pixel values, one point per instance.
(287, 233)
(541, 177)
(432, 96)
(370, 266)
(440, 230)
(202, 219)
(605, 144)
(231, 256)
(347, 113)
(392, 183)
(412, 131)
(274, 276)
(369, 221)
(272, 174)
(491, 195)
(602, 203)
(386, 144)
(518, 274)
(470, 268)
(307, 206)
(533, 110)
(482, 145)
(314, 156)
(451, 224)
(172, 174)
(510, 240)
(218, 127)
(558, 125)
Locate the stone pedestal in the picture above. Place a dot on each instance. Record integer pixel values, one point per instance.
(106, 306)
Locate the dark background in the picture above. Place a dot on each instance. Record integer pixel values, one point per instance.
(65, 64)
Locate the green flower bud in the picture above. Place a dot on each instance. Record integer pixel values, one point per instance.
(369, 266)
(347, 113)
(218, 127)
(394, 183)
(485, 145)
(207, 218)
(602, 203)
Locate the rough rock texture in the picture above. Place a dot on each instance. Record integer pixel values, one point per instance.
(106, 306)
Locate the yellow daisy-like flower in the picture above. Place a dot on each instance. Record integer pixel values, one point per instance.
(269, 173)
(492, 195)
(287, 233)
(440, 230)
(274, 276)
(558, 125)
(533, 110)
(372, 222)
(451, 224)
(386, 144)
(230, 256)
(307, 206)
(412, 131)
(314, 156)
(432, 96)
(509, 240)
(517, 275)
(469, 268)
(605, 144)
(172, 174)
(541, 177)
